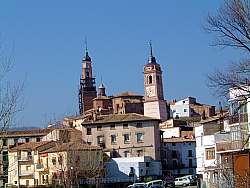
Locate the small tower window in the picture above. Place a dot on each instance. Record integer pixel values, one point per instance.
(150, 79)
(87, 74)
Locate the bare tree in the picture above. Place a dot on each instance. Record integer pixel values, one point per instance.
(231, 25)
(10, 93)
(231, 28)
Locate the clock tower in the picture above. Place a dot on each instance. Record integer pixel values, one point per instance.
(154, 105)
(87, 90)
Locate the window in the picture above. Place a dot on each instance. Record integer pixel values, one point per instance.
(173, 144)
(174, 164)
(27, 139)
(126, 138)
(53, 160)
(150, 79)
(190, 153)
(125, 126)
(139, 125)
(112, 127)
(210, 153)
(190, 161)
(27, 183)
(147, 164)
(15, 141)
(174, 154)
(113, 139)
(28, 168)
(60, 159)
(88, 131)
(5, 142)
(139, 153)
(29, 155)
(99, 128)
(100, 140)
(5, 155)
(126, 154)
(139, 137)
(38, 139)
(185, 110)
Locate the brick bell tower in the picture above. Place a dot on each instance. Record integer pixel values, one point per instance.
(154, 104)
(87, 90)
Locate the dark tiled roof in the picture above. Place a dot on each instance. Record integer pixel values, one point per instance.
(113, 118)
(29, 133)
(71, 146)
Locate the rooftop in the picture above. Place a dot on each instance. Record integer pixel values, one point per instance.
(170, 140)
(71, 146)
(112, 118)
(29, 146)
(28, 133)
(128, 94)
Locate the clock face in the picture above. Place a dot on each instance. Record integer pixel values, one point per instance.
(150, 91)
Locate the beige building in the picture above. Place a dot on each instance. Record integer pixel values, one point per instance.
(49, 162)
(12, 139)
(124, 135)
(24, 163)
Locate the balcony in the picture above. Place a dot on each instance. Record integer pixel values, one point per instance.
(229, 146)
(26, 175)
(22, 160)
(238, 118)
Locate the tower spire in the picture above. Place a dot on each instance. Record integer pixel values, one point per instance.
(151, 57)
(151, 49)
(86, 57)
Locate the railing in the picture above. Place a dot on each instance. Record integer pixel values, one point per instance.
(230, 145)
(27, 173)
(25, 158)
(238, 118)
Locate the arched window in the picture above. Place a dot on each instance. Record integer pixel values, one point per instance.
(150, 79)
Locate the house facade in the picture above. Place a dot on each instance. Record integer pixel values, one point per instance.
(179, 156)
(124, 135)
(188, 107)
(53, 163)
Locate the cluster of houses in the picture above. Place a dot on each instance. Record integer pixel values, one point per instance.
(128, 137)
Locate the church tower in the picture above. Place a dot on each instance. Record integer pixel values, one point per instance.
(154, 104)
(87, 90)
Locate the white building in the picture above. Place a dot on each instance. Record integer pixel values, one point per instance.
(118, 169)
(205, 149)
(188, 107)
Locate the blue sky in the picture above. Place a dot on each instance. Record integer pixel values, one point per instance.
(47, 38)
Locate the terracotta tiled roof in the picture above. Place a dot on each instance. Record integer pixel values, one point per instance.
(29, 146)
(71, 146)
(112, 118)
(128, 94)
(29, 133)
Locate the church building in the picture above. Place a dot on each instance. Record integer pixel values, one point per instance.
(152, 104)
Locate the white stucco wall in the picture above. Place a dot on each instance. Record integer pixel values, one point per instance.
(119, 168)
(171, 132)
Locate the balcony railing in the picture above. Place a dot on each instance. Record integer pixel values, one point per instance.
(238, 118)
(230, 145)
(25, 158)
